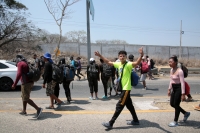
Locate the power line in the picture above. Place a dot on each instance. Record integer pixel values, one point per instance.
(113, 27)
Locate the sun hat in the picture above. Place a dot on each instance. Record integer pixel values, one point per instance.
(47, 55)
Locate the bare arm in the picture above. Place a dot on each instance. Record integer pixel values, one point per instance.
(103, 58)
(140, 58)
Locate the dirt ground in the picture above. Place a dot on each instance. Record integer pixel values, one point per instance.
(165, 104)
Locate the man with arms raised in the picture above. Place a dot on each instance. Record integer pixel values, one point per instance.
(125, 99)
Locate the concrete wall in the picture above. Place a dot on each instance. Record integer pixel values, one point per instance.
(111, 50)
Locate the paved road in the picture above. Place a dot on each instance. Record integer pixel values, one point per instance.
(83, 115)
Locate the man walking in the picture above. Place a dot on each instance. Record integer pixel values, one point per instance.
(93, 78)
(26, 86)
(125, 99)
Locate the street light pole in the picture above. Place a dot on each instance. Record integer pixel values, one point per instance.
(88, 31)
(180, 48)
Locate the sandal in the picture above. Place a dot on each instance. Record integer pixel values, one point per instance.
(50, 107)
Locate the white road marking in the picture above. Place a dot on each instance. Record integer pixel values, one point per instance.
(145, 105)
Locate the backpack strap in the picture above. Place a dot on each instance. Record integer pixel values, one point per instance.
(123, 70)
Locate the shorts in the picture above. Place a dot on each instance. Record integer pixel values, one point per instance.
(50, 88)
(26, 90)
(143, 77)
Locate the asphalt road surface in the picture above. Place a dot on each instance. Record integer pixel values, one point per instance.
(85, 116)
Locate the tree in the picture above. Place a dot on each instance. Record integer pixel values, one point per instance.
(48, 38)
(12, 23)
(76, 36)
(111, 42)
(58, 9)
(11, 4)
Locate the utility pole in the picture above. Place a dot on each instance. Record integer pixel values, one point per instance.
(88, 31)
(180, 48)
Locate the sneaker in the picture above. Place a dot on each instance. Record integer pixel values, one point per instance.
(23, 113)
(61, 103)
(189, 99)
(133, 123)
(107, 125)
(39, 111)
(104, 97)
(145, 88)
(186, 115)
(91, 98)
(173, 124)
(96, 98)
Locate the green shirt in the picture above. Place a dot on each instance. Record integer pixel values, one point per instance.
(126, 78)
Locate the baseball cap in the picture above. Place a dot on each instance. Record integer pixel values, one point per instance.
(91, 59)
(143, 57)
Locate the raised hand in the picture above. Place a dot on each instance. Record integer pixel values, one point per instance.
(96, 53)
(141, 51)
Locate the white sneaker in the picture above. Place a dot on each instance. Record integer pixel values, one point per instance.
(91, 98)
(145, 88)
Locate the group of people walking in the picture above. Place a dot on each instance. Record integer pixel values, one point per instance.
(109, 70)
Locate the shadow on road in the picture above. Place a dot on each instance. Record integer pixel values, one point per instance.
(139, 95)
(190, 123)
(143, 124)
(46, 115)
(69, 108)
(80, 101)
(36, 88)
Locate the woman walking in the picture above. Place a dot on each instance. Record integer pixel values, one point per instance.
(176, 91)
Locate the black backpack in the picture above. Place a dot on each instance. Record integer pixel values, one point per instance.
(152, 63)
(34, 73)
(107, 70)
(41, 63)
(92, 71)
(76, 64)
(185, 70)
(68, 73)
(57, 74)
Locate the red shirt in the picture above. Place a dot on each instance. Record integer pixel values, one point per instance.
(22, 70)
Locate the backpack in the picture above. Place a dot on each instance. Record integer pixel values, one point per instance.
(107, 70)
(68, 73)
(185, 70)
(145, 67)
(34, 73)
(76, 64)
(152, 63)
(92, 71)
(57, 74)
(134, 78)
(41, 63)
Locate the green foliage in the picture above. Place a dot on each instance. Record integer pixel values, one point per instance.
(12, 4)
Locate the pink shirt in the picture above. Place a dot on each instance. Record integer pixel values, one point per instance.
(148, 61)
(177, 78)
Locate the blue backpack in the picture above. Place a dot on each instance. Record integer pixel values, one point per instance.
(134, 78)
